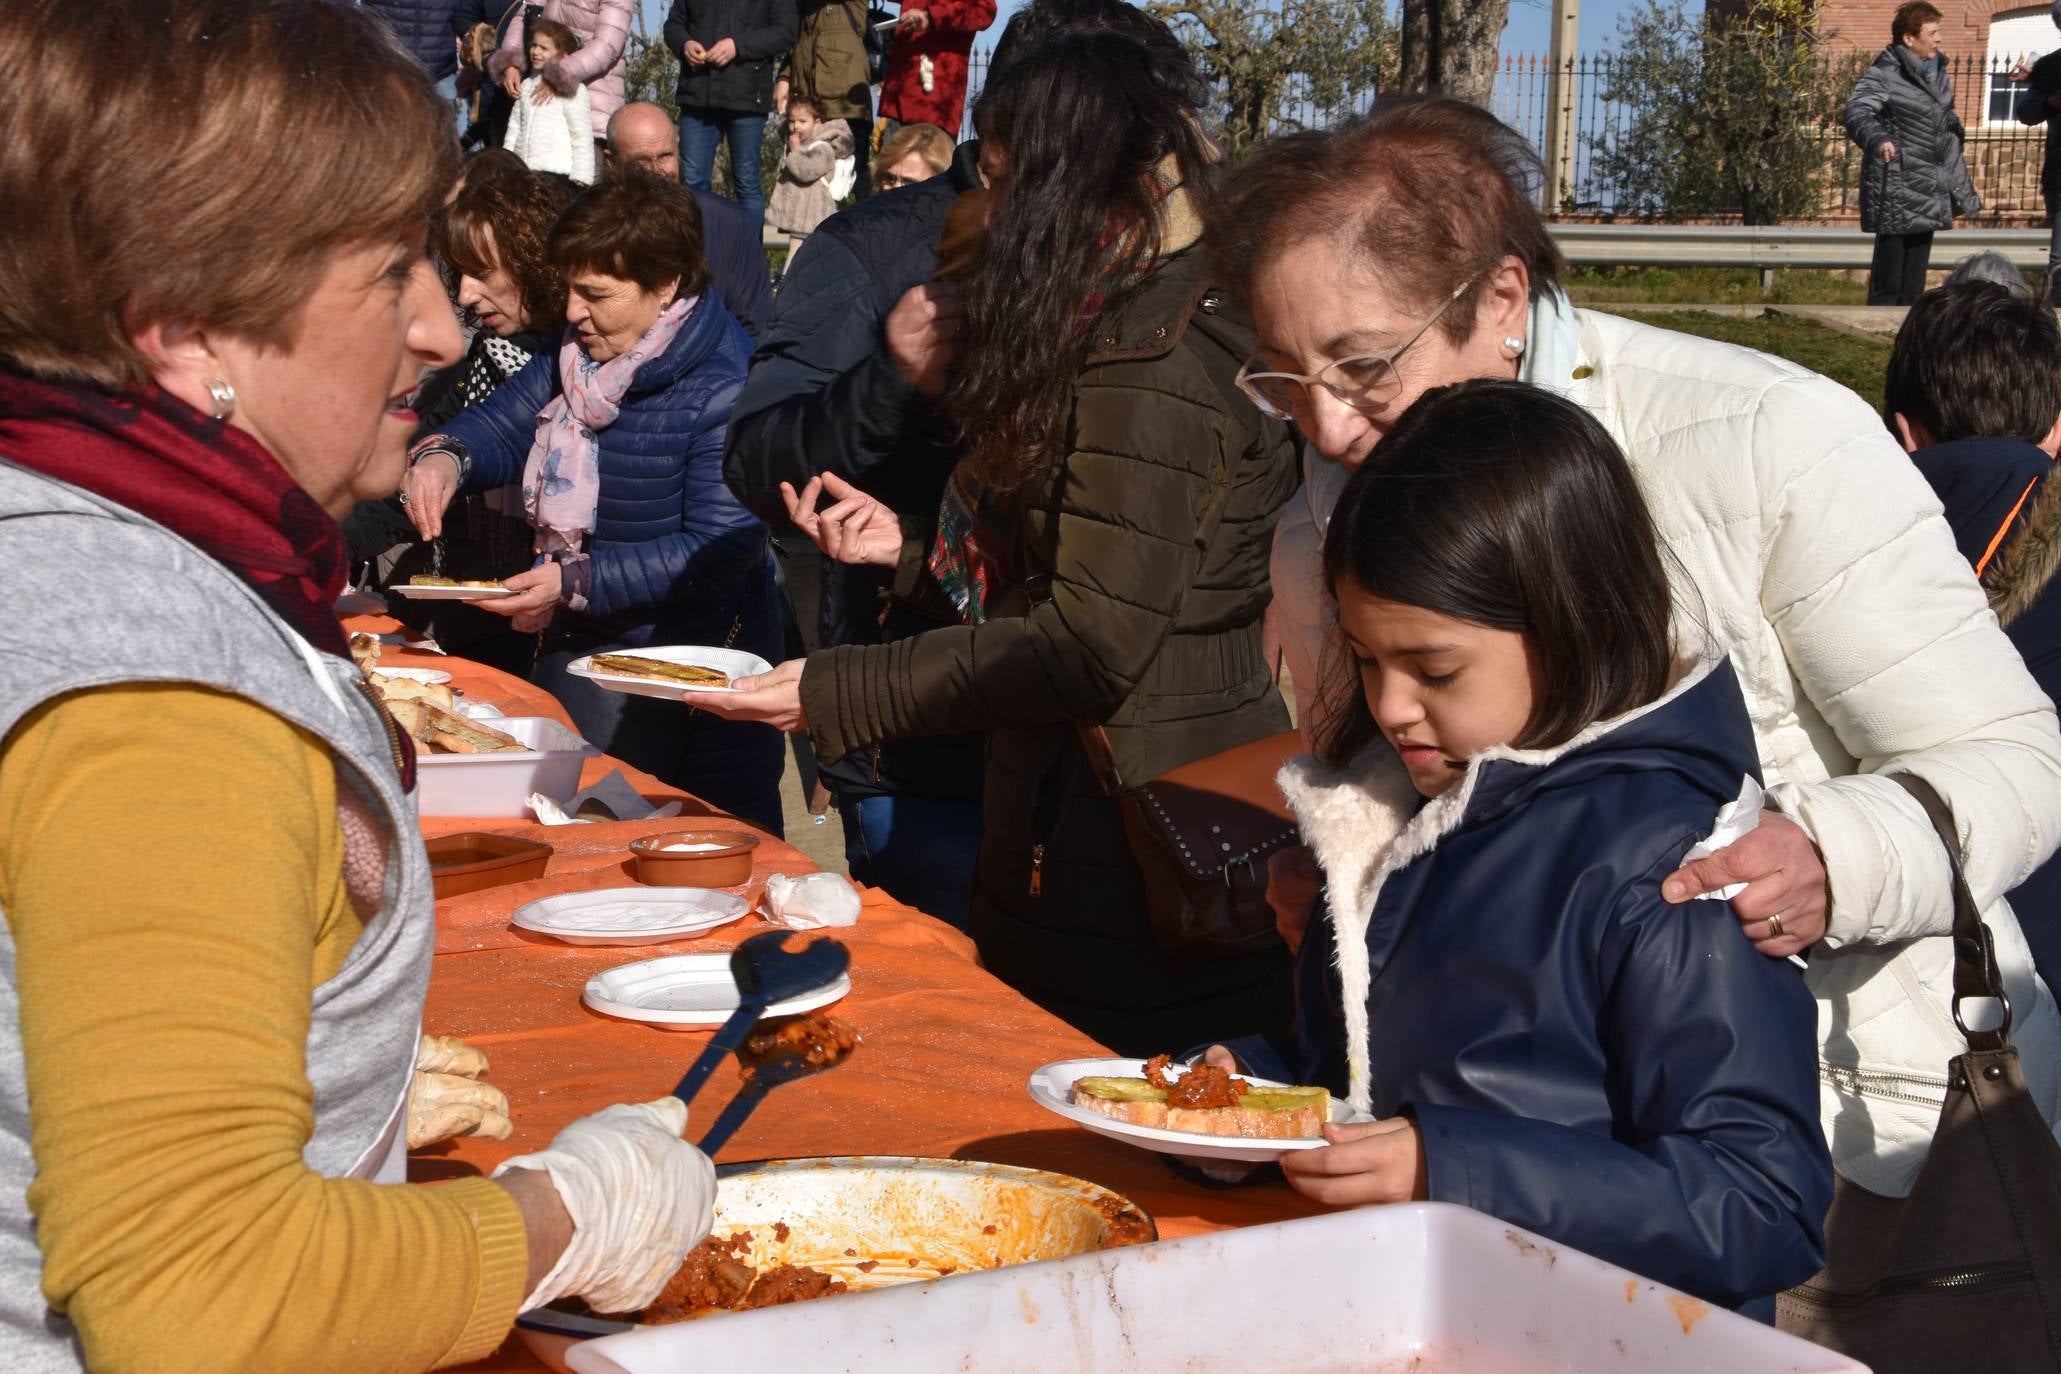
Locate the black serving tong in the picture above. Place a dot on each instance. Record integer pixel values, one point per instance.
(766, 972)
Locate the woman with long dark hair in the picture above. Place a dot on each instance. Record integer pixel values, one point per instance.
(1104, 541)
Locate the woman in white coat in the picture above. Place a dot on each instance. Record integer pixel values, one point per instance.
(1403, 252)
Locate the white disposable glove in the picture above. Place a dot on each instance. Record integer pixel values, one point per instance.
(639, 1196)
(447, 1098)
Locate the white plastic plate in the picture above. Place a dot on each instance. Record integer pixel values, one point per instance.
(414, 593)
(429, 677)
(1051, 1087)
(687, 991)
(734, 662)
(630, 915)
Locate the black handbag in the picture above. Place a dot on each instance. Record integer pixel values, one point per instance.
(1966, 1271)
(1202, 835)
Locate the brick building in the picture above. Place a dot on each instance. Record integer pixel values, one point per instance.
(1981, 40)
(1979, 37)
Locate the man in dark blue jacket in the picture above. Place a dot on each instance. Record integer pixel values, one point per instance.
(827, 394)
(1973, 390)
(727, 51)
(642, 135)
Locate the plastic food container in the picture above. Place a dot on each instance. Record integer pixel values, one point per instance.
(476, 860)
(1418, 1287)
(499, 785)
(722, 858)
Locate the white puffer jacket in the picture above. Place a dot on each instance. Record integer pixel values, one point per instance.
(553, 137)
(1863, 644)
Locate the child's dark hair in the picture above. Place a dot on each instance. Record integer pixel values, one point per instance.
(805, 102)
(562, 38)
(1975, 361)
(1504, 505)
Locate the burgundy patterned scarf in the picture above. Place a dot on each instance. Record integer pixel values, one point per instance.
(213, 486)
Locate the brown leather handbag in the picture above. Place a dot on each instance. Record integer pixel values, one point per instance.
(1202, 835)
(1966, 1271)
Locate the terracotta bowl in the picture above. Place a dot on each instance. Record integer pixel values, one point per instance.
(728, 864)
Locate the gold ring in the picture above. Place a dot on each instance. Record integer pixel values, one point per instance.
(1775, 926)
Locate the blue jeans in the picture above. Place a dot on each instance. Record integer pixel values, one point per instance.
(700, 128)
(918, 850)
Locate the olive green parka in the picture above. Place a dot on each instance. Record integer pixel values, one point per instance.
(1145, 561)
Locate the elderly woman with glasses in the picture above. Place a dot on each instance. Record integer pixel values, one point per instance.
(1404, 253)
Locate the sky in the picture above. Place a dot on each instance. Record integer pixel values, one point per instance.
(1526, 33)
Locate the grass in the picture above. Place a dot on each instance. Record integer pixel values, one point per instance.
(1711, 286)
(1855, 363)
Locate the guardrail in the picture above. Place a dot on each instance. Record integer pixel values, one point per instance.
(1765, 247)
(1771, 246)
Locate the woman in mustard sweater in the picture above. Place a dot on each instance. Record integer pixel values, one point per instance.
(215, 912)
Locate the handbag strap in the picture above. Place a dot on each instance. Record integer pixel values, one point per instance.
(1975, 950)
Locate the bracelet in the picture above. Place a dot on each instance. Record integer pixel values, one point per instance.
(451, 449)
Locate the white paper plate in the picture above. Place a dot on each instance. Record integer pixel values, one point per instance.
(687, 992)
(1052, 1085)
(429, 677)
(735, 662)
(414, 593)
(631, 915)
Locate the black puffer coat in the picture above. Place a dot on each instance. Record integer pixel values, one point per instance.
(1149, 551)
(424, 28)
(1926, 184)
(762, 31)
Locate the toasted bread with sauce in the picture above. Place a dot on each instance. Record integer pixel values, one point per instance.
(1264, 1113)
(427, 580)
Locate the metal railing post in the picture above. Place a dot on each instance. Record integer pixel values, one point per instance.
(1560, 104)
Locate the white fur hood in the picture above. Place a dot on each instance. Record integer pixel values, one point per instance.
(1365, 821)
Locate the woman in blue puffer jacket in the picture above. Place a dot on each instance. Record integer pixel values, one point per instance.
(617, 439)
(1495, 975)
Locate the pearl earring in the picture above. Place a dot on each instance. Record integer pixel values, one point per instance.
(1515, 345)
(224, 397)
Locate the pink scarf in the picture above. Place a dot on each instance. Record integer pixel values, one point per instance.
(561, 479)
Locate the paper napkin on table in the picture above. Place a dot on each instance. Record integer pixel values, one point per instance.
(611, 799)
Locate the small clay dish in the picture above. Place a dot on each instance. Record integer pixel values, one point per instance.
(721, 858)
(478, 859)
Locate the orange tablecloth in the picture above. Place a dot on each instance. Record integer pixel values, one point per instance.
(945, 1051)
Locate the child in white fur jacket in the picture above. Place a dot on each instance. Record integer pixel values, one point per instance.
(550, 132)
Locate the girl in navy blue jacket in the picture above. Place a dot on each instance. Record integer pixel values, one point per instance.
(1494, 973)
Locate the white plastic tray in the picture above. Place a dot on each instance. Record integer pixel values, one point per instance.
(452, 593)
(1423, 1287)
(734, 662)
(687, 992)
(499, 785)
(630, 915)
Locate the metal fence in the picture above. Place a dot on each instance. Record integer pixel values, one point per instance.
(2003, 155)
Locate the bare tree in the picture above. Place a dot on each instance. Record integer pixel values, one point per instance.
(1451, 46)
(1286, 63)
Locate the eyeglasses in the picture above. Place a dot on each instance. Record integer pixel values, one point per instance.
(888, 181)
(1366, 382)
